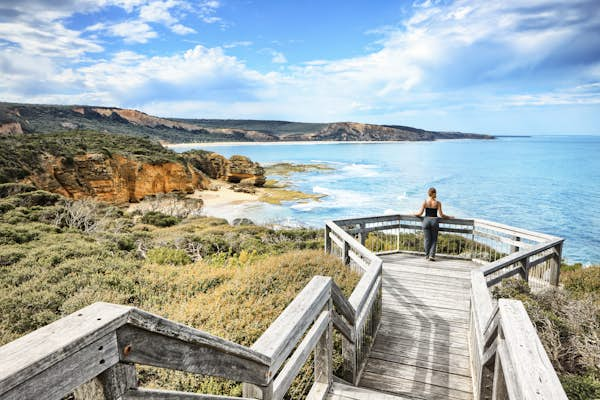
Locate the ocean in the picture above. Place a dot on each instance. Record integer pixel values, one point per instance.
(549, 184)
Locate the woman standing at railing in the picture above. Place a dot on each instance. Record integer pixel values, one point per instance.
(433, 211)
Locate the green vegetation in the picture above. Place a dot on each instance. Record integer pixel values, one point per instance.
(231, 281)
(568, 323)
(157, 218)
(285, 169)
(22, 155)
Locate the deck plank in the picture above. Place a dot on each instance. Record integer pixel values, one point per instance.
(421, 349)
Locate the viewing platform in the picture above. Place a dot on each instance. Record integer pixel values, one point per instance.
(411, 329)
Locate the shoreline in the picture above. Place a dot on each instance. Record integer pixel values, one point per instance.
(303, 142)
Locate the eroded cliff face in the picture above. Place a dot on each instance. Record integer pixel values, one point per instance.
(11, 128)
(118, 179)
(238, 169)
(115, 179)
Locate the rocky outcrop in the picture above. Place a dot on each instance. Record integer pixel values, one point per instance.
(10, 129)
(238, 169)
(115, 179)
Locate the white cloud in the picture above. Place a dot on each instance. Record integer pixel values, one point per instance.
(444, 59)
(132, 31)
(278, 58)
(182, 29)
(241, 43)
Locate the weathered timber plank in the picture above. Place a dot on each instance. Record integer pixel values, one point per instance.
(155, 323)
(415, 331)
(39, 350)
(423, 275)
(431, 271)
(59, 379)
(157, 394)
(343, 327)
(362, 263)
(365, 287)
(429, 294)
(318, 391)
(300, 355)
(418, 374)
(426, 303)
(426, 337)
(422, 286)
(358, 393)
(535, 374)
(437, 308)
(109, 385)
(140, 346)
(511, 230)
(342, 304)
(458, 365)
(399, 312)
(414, 323)
(448, 269)
(398, 345)
(278, 340)
(410, 388)
(518, 256)
(354, 244)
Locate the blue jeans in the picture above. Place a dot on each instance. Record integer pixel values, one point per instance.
(431, 227)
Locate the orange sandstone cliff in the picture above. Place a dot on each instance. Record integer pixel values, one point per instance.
(115, 179)
(118, 179)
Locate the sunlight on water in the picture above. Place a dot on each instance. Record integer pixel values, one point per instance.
(550, 184)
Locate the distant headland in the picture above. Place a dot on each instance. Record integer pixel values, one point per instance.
(16, 119)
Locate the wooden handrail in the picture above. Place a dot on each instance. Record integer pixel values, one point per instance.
(103, 341)
(283, 334)
(507, 357)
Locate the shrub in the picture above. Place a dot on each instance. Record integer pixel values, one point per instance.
(581, 387)
(166, 255)
(10, 189)
(582, 280)
(10, 234)
(157, 218)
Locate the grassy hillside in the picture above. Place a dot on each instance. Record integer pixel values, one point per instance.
(39, 118)
(231, 281)
(21, 155)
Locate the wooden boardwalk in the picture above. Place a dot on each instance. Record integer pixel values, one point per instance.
(421, 349)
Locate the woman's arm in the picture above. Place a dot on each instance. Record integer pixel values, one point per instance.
(421, 210)
(441, 213)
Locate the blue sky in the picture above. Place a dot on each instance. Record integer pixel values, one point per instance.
(501, 67)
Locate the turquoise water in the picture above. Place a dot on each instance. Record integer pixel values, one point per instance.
(549, 184)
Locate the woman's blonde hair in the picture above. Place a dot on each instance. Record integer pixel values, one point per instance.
(432, 192)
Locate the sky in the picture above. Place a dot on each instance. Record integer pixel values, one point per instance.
(488, 66)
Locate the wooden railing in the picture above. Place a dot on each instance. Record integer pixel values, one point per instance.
(92, 353)
(365, 300)
(503, 250)
(508, 360)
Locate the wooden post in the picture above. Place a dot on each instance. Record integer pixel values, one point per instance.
(499, 391)
(524, 269)
(555, 265)
(324, 352)
(258, 392)
(327, 240)
(514, 248)
(109, 385)
(362, 236)
(345, 253)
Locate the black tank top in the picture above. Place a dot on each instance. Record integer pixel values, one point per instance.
(430, 212)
